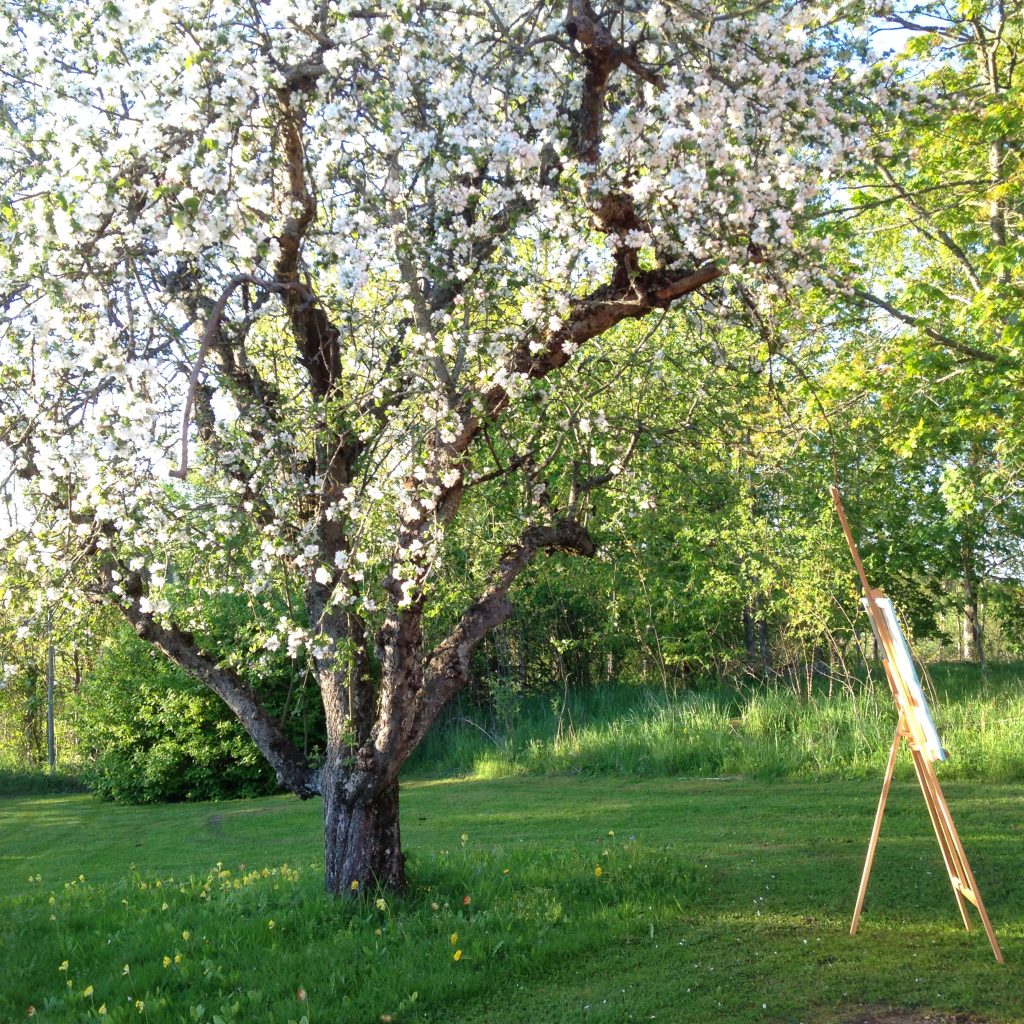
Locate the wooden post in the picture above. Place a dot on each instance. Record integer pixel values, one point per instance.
(51, 743)
(914, 727)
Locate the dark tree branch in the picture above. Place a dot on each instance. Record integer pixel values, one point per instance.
(944, 341)
(447, 665)
(933, 230)
(316, 335)
(179, 646)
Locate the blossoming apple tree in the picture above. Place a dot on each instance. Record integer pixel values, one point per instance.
(278, 272)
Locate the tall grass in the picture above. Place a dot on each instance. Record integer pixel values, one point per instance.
(17, 781)
(767, 732)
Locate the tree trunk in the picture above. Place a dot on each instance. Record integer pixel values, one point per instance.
(765, 646)
(749, 642)
(362, 844)
(974, 648)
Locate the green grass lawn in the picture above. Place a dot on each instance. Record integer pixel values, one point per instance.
(716, 901)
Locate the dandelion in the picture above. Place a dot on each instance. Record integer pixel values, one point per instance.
(457, 955)
(598, 871)
(177, 958)
(87, 991)
(505, 872)
(186, 935)
(378, 932)
(167, 961)
(126, 969)
(140, 1005)
(464, 837)
(355, 885)
(454, 939)
(382, 904)
(63, 966)
(270, 924)
(611, 832)
(102, 1009)
(163, 906)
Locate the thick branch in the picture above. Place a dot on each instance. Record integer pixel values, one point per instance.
(317, 337)
(292, 769)
(600, 311)
(447, 665)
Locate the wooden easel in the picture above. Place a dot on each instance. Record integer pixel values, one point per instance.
(909, 728)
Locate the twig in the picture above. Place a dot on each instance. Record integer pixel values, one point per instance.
(209, 333)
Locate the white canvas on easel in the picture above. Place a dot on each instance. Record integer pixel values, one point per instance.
(904, 666)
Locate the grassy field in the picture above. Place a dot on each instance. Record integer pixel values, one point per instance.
(531, 899)
(754, 730)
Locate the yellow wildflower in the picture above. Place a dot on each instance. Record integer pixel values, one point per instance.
(126, 969)
(455, 938)
(186, 935)
(87, 991)
(63, 966)
(457, 955)
(598, 871)
(270, 923)
(355, 884)
(140, 1005)
(102, 1009)
(167, 961)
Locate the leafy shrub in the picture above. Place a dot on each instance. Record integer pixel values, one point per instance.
(151, 733)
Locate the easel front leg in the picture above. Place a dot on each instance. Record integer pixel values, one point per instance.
(876, 828)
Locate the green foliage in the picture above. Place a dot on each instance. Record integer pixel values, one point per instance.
(154, 734)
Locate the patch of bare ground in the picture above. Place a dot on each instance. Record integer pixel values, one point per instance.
(894, 1015)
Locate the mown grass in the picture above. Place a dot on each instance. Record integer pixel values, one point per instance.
(766, 732)
(716, 900)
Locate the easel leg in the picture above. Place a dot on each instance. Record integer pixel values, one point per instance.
(875, 830)
(941, 823)
(953, 853)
